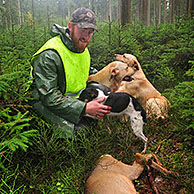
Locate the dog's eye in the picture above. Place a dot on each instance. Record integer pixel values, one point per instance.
(126, 67)
(124, 56)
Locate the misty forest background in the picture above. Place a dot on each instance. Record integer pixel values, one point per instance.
(160, 33)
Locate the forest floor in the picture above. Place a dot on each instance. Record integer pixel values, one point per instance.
(172, 148)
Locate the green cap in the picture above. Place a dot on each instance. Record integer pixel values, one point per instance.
(84, 18)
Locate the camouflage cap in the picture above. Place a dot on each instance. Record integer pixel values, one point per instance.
(84, 18)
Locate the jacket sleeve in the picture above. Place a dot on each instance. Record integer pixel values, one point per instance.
(48, 72)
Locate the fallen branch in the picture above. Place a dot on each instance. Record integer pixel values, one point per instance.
(158, 148)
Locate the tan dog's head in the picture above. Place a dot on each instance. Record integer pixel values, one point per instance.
(120, 71)
(112, 74)
(132, 61)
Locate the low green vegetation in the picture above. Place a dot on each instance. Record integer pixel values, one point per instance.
(34, 160)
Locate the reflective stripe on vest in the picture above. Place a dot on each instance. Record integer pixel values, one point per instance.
(76, 65)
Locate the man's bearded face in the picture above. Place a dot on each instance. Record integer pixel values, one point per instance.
(80, 36)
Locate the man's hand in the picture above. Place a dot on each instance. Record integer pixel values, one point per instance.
(96, 109)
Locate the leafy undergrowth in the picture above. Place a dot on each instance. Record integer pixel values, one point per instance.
(34, 160)
(53, 165)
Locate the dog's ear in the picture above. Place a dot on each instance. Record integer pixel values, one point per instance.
(115, 71)
(136, 67)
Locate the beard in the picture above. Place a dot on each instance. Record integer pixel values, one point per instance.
(80, 42)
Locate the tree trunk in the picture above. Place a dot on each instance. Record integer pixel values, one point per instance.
(33, 25)
(177, 8)
(159, 12)
(164, 12)
(9, 17)
(19, 13)
(139, 10)
(119, 11)
(22, 11)
(4, 19)
(146, 12)
(110, 10)
(190, 7)
(171, 15)
(183, 7)
(154, 17)
(125, 7)
(33, 10)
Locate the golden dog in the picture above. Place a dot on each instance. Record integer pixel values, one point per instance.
(151, 99)
(112, 74)
(114, 177)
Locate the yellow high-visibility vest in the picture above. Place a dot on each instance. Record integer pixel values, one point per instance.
(76, 65)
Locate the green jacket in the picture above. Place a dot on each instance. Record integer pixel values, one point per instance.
(49, 86)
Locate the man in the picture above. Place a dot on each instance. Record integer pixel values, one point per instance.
(60, 72)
